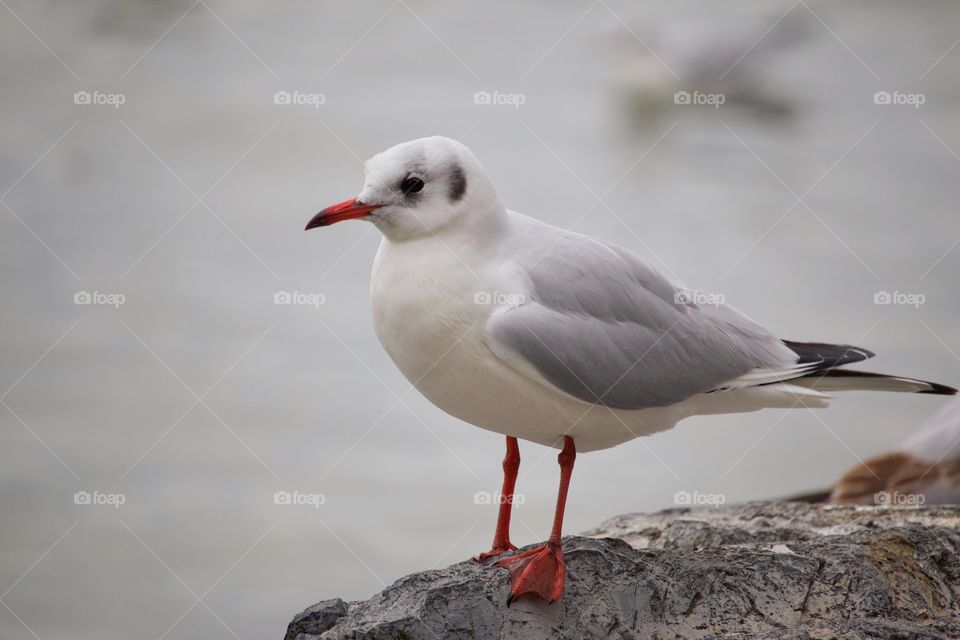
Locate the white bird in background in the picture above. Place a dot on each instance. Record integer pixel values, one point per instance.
(740, 61)
(924, 469)
(547, 335)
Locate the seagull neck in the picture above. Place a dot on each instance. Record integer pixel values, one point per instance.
(475, 227)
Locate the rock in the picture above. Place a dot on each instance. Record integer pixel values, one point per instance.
(316, 619)
(760, 570)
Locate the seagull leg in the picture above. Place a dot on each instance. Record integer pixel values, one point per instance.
(541, 571)
(501, 537)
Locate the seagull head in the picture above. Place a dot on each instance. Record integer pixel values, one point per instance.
(419, 188)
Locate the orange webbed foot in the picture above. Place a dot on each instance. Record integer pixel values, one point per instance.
(539, 571)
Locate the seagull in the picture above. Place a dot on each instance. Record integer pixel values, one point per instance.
(924, 469)
(546, 335)
(649, 68)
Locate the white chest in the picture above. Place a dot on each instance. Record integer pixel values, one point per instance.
(425, 311)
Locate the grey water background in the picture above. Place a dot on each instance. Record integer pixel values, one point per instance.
(198, 399)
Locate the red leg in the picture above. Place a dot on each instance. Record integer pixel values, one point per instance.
(501, 537)
(541, 571)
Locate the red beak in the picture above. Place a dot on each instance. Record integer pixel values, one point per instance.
(346, 210)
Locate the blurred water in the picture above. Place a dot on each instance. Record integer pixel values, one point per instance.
(296, 398)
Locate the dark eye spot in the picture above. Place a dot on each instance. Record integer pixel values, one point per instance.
(411, 184)
(458, 183)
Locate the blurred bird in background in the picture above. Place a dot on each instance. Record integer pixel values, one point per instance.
(923, 469)
(660, 66)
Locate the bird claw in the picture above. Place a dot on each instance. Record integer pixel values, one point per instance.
(497, 550)
(540, 571)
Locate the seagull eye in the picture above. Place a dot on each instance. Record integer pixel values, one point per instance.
(411, 184)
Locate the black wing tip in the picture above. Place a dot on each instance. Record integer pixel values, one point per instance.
(824, 356)
(869, 354)
(937, 389)
(814, 497)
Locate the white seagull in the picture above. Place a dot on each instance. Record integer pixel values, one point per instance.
(547, 335)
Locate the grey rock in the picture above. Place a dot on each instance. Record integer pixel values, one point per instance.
(755, 571)
(316, 619)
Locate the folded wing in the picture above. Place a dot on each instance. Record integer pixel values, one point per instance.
(606, 328)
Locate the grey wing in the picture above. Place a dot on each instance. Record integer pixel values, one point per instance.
(606, 328)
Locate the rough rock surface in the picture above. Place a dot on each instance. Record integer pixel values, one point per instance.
(759, 570)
